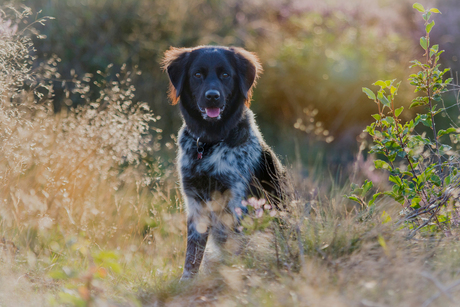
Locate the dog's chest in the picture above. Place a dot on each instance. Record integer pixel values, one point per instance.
(219, 160)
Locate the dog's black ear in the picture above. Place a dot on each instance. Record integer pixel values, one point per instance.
(249, 68)
(175, 63)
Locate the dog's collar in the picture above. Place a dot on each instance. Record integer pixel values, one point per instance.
(200, 147)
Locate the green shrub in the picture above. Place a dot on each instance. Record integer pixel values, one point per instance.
(423, 168)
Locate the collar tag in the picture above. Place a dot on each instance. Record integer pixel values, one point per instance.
(199, 149)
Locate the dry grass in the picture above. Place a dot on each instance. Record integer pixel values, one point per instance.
(88, 219)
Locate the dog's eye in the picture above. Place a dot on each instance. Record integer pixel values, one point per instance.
(197, 75)
(225, 75)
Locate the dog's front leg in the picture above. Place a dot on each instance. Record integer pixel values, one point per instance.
(197, 237)
(196, 244)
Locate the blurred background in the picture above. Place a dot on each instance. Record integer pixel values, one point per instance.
(317, 55)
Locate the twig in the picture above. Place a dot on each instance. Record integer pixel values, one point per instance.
(276, 249)
(438, 284)
(424, 224)
(299, 242)
(438, 294)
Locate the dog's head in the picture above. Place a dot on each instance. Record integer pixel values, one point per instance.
(212, 78)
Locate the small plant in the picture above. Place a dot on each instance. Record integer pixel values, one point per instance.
(423, 168)
(82, 285)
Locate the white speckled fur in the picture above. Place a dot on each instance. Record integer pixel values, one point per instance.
(237, 164)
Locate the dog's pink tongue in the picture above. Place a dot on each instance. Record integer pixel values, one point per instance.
(212, 112)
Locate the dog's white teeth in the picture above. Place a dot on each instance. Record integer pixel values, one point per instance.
(213, 112)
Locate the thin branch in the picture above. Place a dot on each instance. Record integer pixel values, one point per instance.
(438, 294)
(438, 284)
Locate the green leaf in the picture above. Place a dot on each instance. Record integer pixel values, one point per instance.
(418, 7)
(415, 203)
(366, 187)
(395, 179)
(389, 120)
(381, 83)
(392, 157)
(409, 174)
(385, 217)
(435, 10)
(58, 274)
(398, 111)
(383, 99)
(369, 93)
(435, 180)
(429, 27)
(443, 132)
(393, 90)
(426, 16)
(354, 198)
(417, 104)
(374, 197)
(442, 218)
(381, 164)
(69, 299)
(108, 259)
(423, 42)
(425, 120)
(376, 116)
(447, 180)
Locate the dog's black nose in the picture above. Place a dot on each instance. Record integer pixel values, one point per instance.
(212, 95)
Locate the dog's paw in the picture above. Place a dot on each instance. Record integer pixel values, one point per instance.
(186, 276)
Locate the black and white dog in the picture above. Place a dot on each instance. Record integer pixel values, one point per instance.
(222, 156)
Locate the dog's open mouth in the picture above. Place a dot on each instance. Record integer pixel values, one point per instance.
(212, 112)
